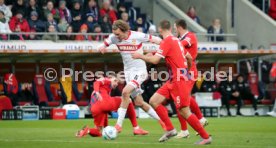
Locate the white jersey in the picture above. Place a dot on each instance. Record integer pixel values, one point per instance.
(132, 44)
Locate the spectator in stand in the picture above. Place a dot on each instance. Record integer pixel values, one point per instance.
(76, 16)
(106, 25)
(51, 21)
(9, 3)
(50, 9)
(83, 36)
(192, 14)
(139, 23)
(107, 9)
(121, 9)
(91, 9)
(245, 92)
(62, 26)
(140, 29)
(4, 26)
(6, 10)
(52, 37)
(19, 5)
(90, 22)
(98, 31)
(208, 85)
(34, 7)
(216, 29)
(19, 24)
(152, 30)
(33, 36)
(35, 23)
(229, 91)
(125, 17)
(64, 12)
(68, 36)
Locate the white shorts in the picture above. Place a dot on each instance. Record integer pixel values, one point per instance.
(135, 79)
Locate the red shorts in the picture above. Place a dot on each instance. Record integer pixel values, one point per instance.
(178, 91)
(100, 109)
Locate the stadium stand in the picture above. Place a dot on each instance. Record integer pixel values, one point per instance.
(88, 20)
(42, 93)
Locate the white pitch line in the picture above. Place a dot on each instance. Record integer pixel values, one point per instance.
(115, 142)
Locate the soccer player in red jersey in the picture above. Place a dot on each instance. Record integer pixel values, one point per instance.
(172, 50)
(102, 103)
(189, 41)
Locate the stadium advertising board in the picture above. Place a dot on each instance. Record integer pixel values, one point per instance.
(61, 47)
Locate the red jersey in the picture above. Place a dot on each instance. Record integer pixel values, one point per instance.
(174, 54)
(189, 41)
(103, 86)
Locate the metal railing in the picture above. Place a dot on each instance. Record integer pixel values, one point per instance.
(58, 36)
(264, 5)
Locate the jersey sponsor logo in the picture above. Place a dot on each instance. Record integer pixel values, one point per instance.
(127, 47)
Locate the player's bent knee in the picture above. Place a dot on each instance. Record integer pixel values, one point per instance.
(185, 112)
(138, 103)
(125, 95)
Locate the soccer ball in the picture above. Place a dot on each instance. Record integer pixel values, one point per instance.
(109, 133)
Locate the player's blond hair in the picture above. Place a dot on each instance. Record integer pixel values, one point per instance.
(120, 24)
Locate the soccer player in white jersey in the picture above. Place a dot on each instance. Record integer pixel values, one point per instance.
(135, 70)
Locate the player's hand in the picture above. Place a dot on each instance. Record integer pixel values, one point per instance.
(102, 50)
(136, 55)
(97, 95)
(149, 54)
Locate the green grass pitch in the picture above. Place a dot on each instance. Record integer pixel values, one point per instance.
(240, 132)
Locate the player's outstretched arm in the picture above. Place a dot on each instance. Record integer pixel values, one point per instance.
(149, 58)
(101, 48)
(155, 40)
(189, 60)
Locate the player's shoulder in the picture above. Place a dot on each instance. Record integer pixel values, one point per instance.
(113, 38)
(191, 35)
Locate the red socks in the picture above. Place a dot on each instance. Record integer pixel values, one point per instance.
(132, 114)
(195, 124)
(95, 132)
(163, 114)
(194, 108)
(182, 121)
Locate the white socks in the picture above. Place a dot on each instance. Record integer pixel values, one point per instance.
(121, 116)
(136, 128)
(185, 132)
(153, 114)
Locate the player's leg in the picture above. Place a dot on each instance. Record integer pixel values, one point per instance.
(196, 110)
(99, 119)
(182, 103)
(131, 115)
(273, 111)
(156, 101)
(139, 101)
(193, 104)
(124, 105)
(184, 133)
(137, 130)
